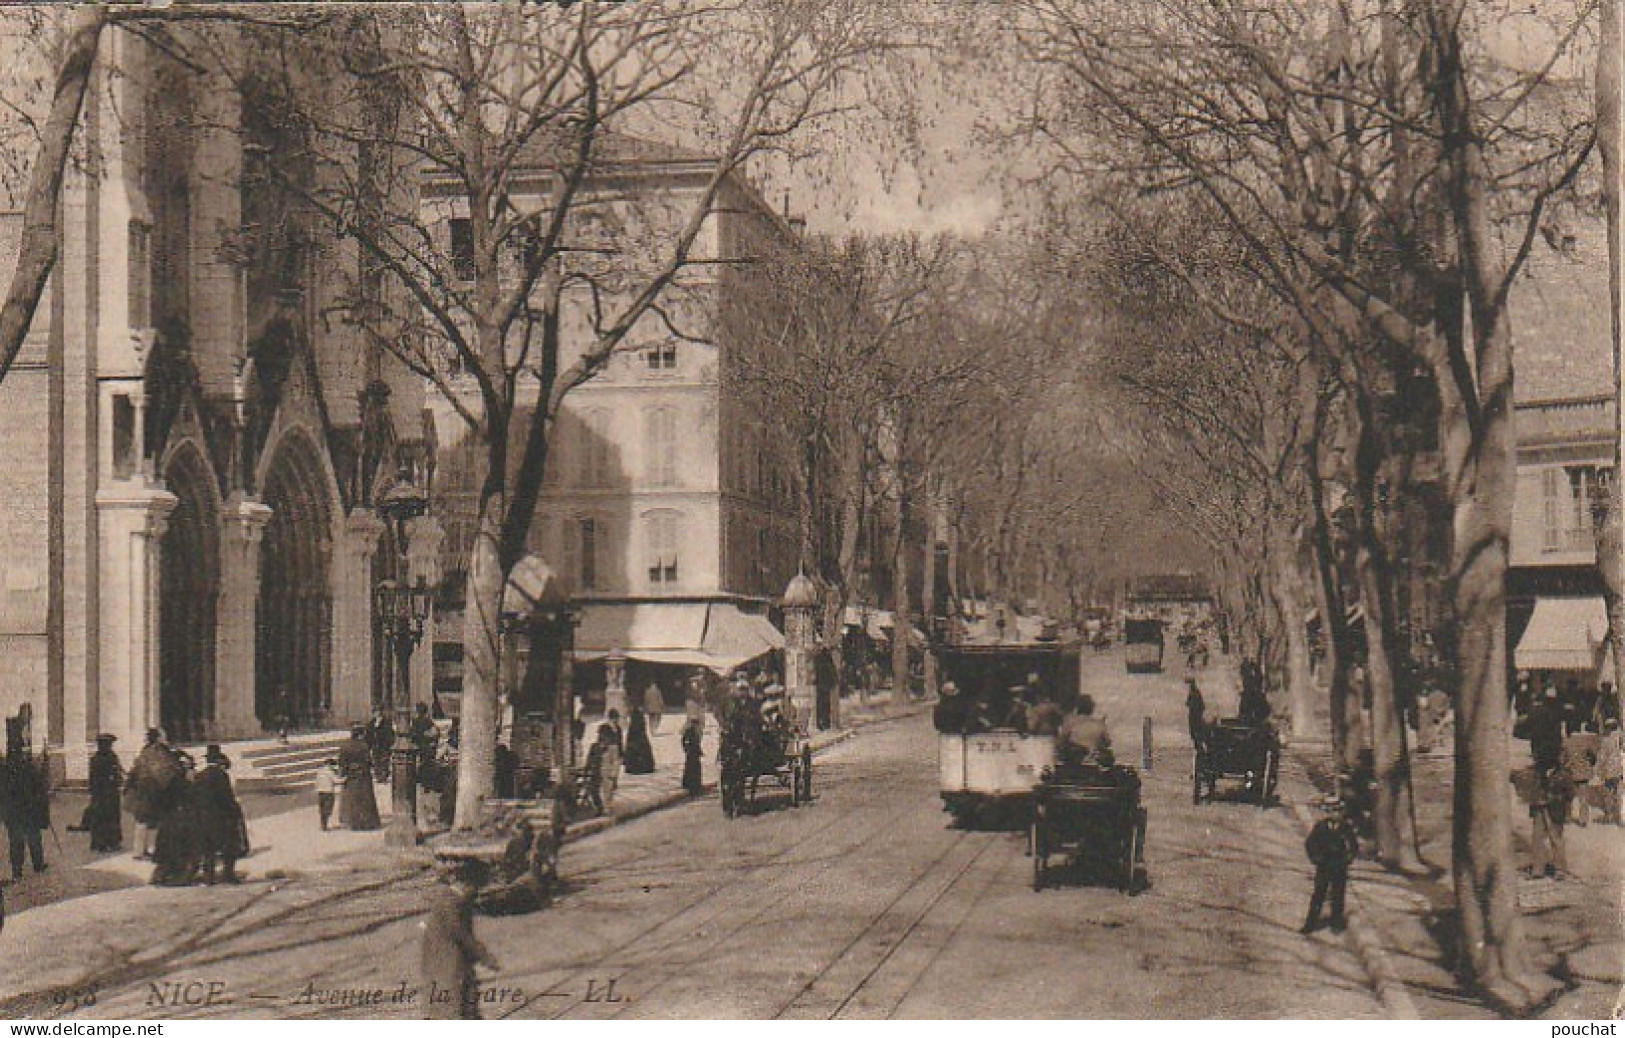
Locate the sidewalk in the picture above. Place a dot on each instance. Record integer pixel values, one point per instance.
(1572, 925)
(107, 898)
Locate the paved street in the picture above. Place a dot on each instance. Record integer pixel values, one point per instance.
(864, 904)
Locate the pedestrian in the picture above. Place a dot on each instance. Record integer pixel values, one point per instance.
(103, 817)
(1611, 768)
(613, 723)
(222, 832)
(425, 740)
(1331, 846)
(1548, 812)
(175, 850)
(448, 950)
(640, 755)
(329, 780)
(358, 805)
(382, 740)
(654, 705)
(693, 740)
(504, 771)
(1545, 729)
(593, 772)
(1196, 714)
(614, 760)
(26, 799)
(149, 782)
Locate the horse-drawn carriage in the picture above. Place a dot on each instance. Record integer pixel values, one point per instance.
(753, 749)
(1091, 814)
(1235, 749)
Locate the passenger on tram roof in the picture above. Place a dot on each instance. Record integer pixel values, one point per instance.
(1082, 733)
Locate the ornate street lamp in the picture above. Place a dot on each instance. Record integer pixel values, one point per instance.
(402, 610)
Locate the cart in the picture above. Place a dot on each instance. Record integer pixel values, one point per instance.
(781, 755)
(1089, 813)
(1233, 749)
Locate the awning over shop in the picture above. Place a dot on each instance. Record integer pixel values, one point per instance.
(714, 635)
(1563, 634)
(878, 624)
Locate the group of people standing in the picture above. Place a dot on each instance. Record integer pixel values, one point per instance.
(1576, 746)
(189, 823)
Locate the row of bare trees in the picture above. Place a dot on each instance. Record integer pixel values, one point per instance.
(1307, 217)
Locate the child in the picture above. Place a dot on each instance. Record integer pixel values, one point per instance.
(329, 779)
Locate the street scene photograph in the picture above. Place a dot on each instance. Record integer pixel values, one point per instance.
(812, 510)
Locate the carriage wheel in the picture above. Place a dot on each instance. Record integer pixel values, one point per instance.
(1266, 781)
(1131, 853)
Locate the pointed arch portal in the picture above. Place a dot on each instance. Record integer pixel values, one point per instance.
(189, 577)
(293, 644)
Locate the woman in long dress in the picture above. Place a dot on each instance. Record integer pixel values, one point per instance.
(175, 852)
(640, 755)
(358, 807)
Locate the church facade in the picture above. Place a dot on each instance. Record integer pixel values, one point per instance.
(192, 443)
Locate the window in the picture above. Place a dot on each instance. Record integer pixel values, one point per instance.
(1553, 510)
(140, 275)
(662, 533)
(580, 543)
(662, 444)
(662, 357)
(1586, 482)
(462, 249)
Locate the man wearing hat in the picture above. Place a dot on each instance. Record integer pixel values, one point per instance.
(103, 816)
(1332, 845)
(222, 834)
(27, 803)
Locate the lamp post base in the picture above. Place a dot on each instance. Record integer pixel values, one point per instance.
(403, 822)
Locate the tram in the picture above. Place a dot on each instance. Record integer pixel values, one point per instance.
(987, 756)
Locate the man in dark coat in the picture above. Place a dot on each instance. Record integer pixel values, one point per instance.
(221, 831)
(103, 815)
(950, 713)
(27, 803)
(358, 805)
(1546, 731)
(1331, 846)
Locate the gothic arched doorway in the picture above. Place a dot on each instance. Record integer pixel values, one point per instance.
(189, 591)
(293, 672)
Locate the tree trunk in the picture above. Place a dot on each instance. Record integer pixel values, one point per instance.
(930, 606)
(1479, 446)
(1610, 139)
(482, 611)
(1289, 590)
(1390, 759)
(1333, 628)
(900, 611)
(36, 253)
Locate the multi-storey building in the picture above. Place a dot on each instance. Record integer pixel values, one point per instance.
(1565, 426)
(189, 450)
(665, 506)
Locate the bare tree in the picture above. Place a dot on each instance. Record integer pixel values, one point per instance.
(525, 118)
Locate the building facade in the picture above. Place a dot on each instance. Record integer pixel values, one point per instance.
(665, 507)
(191, 446)
(1566, 425)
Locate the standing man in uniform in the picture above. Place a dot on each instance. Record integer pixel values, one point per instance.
(27, 804)
(1332, 845)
